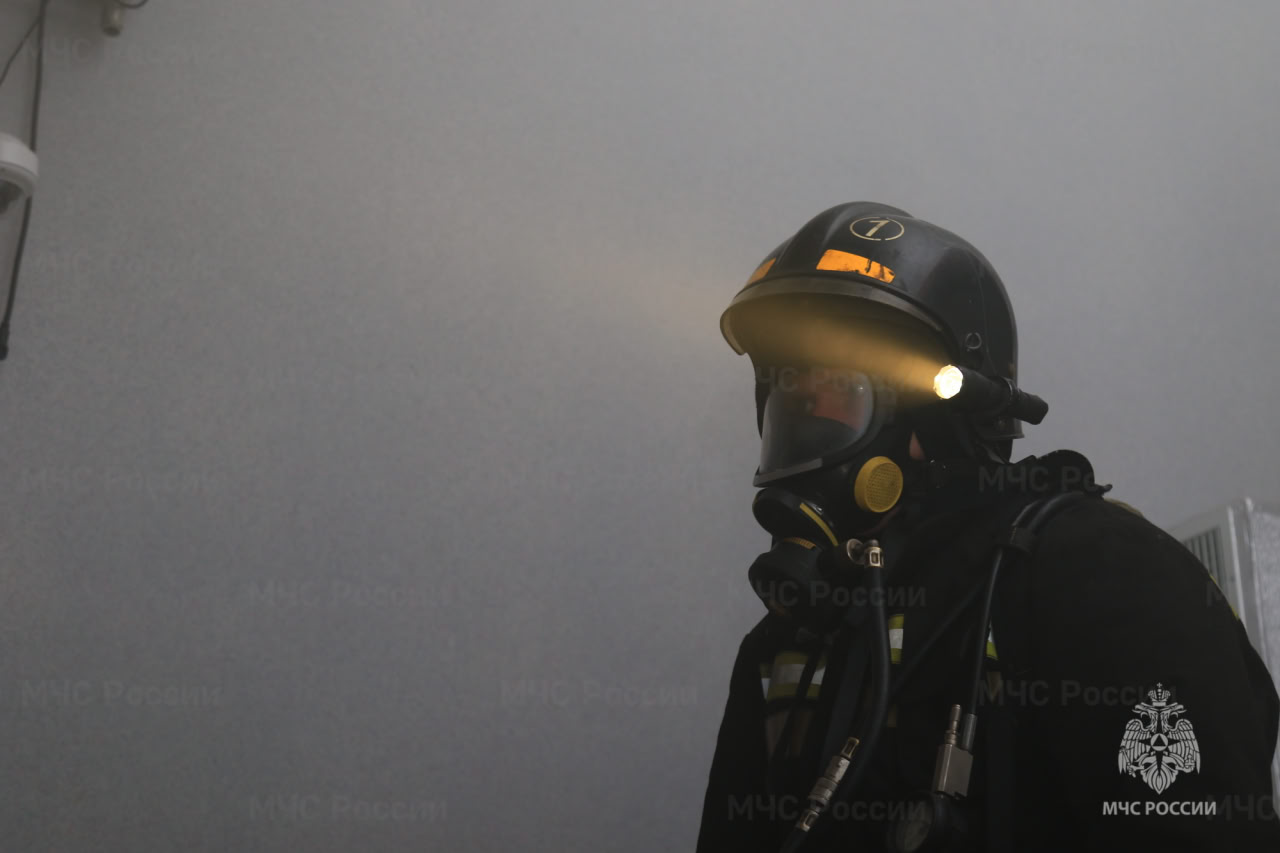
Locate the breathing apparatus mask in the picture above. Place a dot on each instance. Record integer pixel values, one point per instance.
(835, 463)
(838, 395)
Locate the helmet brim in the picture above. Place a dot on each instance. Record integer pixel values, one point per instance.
(833, 294)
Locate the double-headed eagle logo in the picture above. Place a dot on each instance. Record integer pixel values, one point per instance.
(1159, 743)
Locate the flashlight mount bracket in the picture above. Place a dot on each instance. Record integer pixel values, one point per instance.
(996, 397)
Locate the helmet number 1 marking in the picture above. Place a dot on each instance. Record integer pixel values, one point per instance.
(869, 227)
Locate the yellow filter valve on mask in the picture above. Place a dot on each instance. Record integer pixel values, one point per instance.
(878, 484)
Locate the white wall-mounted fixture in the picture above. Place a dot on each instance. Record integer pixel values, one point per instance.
(113, 14)
(112, 17)
(19, 168)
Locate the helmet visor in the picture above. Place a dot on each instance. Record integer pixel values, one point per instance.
(813, 412)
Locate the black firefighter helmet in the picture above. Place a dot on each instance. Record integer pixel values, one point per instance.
(868, 286)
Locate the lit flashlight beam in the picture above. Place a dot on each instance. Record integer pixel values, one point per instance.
(974, 392)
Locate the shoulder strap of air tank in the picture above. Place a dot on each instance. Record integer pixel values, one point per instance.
(1009, 630)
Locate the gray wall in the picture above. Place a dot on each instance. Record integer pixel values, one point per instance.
(374, 474)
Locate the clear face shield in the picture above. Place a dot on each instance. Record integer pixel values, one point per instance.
(812, 413)
(837, 392)
(833, 378)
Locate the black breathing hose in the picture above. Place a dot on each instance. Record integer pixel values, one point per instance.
(876, 712)
(1038, 512)
(1028, 519)
(880, 668)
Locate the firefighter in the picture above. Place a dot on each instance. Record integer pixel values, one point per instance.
(959, 652)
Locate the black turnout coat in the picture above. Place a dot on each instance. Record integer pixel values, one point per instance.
(1108, 625)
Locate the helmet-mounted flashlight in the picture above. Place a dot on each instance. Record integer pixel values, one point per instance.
(972, 391)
